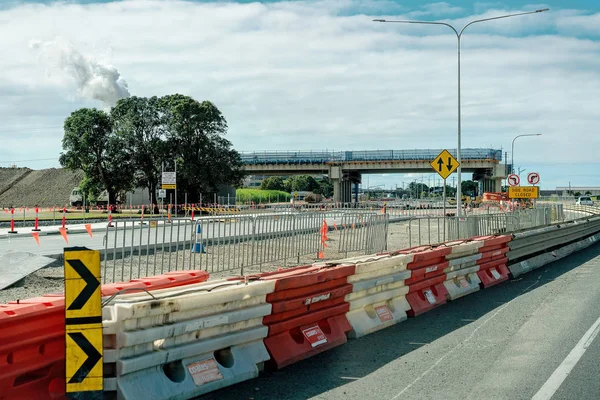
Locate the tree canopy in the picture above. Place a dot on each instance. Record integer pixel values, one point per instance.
(91, 145)
(127, 147)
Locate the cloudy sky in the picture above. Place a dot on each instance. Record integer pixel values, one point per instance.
(315, 75)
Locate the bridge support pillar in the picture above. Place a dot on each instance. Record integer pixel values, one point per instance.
(335, 175)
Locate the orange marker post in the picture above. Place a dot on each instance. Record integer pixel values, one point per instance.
(12, 221)
(64, 218)
(36, 227)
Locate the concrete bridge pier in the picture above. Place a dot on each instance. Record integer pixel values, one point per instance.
(342, 183)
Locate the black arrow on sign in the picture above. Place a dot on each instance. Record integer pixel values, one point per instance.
(91, 284)
(440, 163)
(449, 166)
(93, 356)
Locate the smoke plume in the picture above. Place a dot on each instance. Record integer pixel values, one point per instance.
(93, 79)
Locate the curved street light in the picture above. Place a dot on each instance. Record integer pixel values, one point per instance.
(512, 150)
(458, 36)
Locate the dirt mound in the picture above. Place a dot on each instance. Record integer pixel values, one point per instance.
(45, 187)
(8, 176)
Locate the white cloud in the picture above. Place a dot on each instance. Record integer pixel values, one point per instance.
(435, 10)
(310, 75)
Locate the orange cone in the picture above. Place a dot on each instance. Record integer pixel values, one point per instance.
(88, 228)
(63, 232)
(36, 236)
(321, 255)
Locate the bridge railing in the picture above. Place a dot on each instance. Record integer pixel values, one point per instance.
(308, 157)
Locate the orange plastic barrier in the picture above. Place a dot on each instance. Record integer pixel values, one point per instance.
(32, 338)
(309, 312)
(426, 284)
(492, 265)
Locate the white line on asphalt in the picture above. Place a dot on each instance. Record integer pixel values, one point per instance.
(564, 369)
(461, 344)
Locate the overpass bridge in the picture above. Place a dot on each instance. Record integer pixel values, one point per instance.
(346, 167)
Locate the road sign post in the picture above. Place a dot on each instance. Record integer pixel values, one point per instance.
(83, 324)
(444, 164)
(444, 208)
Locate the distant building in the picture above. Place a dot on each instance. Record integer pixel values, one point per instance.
(564, 190)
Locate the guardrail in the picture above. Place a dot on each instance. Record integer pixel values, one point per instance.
(533, 248)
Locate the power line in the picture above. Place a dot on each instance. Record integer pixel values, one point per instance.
(33, 128)
(37, 159)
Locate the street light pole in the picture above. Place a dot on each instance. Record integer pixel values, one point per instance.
(458, 37)
(512, 150)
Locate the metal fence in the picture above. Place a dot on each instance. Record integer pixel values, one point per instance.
(363, 233)
(133, 249)
(429, 230)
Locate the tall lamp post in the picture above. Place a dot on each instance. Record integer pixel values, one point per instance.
(458, 36)
(512, 150)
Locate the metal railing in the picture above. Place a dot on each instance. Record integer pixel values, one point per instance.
(430, 230)
(318, 157)
(363, 233)
(134, 250)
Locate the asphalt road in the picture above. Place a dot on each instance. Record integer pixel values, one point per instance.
(506, 342)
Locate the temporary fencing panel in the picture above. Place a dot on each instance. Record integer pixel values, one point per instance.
(185, 342)
(366, 232)
(426, 288)
(32, 338)
(309, 311)
(492, 264)
(133, 249)
(378, 297)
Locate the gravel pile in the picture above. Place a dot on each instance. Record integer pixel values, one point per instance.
(45, 187)
(9, 175)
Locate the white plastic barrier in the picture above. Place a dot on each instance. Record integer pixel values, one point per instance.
(378, 292)
(187, 341)
(461, 273)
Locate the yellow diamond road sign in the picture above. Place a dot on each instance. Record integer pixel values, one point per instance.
(444, 164)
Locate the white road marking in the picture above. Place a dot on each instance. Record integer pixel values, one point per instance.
(564, 369)
(461, 344)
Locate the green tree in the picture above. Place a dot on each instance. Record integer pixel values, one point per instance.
(301, 183)
(140, 122)
(417, 188)
(272, 183)
(469, 188)
(90, 145)
(325, 188)
(205, 159)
